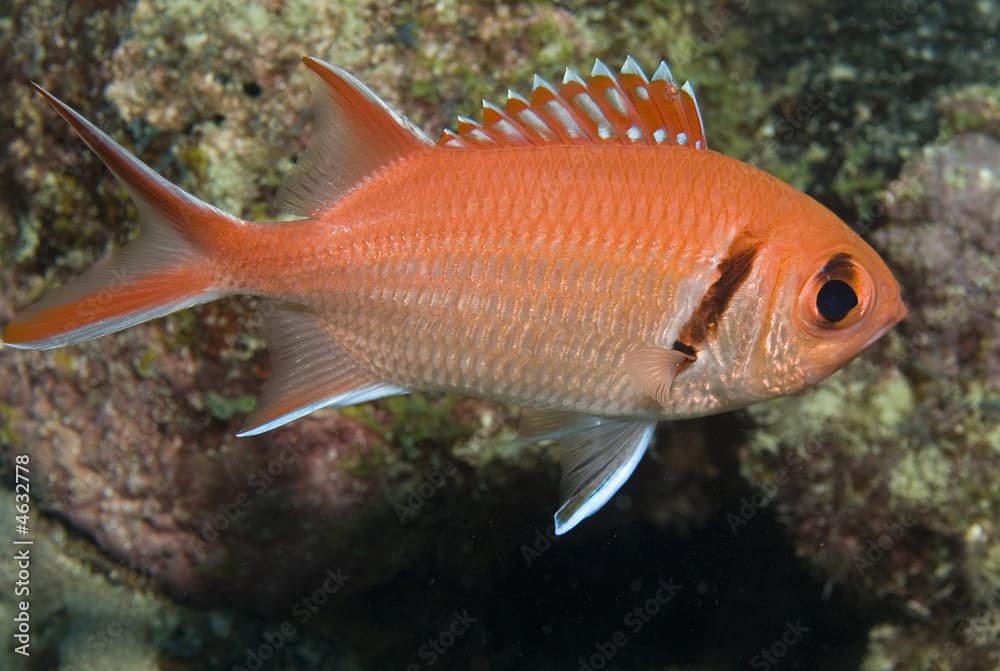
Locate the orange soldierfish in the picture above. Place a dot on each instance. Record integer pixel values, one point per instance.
(580, 252)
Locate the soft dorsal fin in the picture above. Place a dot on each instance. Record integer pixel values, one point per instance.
(624, 108)
(354, 134)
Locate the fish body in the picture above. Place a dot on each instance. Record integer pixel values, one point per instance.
(581, 253)
(528, 275)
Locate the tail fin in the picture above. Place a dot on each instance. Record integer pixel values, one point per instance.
(168, 268)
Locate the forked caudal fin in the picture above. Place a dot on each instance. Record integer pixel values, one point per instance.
(166, 269)
(178, 260)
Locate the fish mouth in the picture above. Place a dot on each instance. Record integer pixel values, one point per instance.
(896, 318)
(891, 292)
(878, 334)
(901, 313)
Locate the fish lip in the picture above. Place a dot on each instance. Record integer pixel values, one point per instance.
(814, 377)
(896, 318)
(878, 334)
(901, 312)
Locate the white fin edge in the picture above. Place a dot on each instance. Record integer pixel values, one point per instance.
(106, 326)
(355, 133)
(353, 397)
(597, 461)
(309, 371)
(166, 269)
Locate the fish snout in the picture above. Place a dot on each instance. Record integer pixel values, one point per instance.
(894, 298)
(901, 312)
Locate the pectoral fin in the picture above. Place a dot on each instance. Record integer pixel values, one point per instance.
(598, 455)
(653, 370)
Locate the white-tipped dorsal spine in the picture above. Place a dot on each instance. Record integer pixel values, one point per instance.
(517, 97)
(452, 139)
(688, 88)
(504, 125)
(663, 73)
(622, 107)
(631, 67)
(540, 83)
(571, 76)
(601, 70)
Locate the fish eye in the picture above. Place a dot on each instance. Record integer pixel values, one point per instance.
(835, 300)
(836, 296)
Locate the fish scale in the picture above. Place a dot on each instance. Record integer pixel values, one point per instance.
(580, 252)
(597, 300)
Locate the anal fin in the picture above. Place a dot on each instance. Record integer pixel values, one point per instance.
(308, 372)
(598, 455)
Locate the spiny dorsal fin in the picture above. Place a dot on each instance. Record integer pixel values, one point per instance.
(625, 108)
(354, 134)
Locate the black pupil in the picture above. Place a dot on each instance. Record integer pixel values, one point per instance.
(835, 299)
